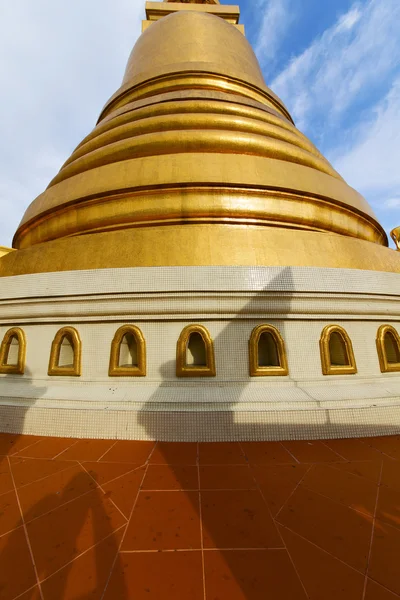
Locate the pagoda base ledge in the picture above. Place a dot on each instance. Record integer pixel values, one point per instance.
(230, 302)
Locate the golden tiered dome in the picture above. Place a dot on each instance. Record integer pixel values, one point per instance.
(195, 161)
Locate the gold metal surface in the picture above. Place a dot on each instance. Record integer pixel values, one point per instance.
(158, 10)
(194, 154)
(4, 250)
(72, 336)
(395, 233)
(254, 363)
(201, 245)
(326, 360)
(13, 369)
(138, 370)
(149, 188)
(385, 365)
(185, 370)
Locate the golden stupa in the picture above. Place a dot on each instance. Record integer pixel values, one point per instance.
(198, 231)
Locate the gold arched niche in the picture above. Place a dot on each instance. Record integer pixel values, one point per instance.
(388, 347)
(14, 341)
(267, 353)
(132, 337)
(195, 353)
(337, 355)
(65, 354)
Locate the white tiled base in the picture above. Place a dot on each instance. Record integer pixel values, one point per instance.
(230, 302)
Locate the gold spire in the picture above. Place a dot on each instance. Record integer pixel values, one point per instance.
(194, 160)
(194, 1)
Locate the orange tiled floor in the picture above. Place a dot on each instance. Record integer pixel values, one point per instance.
(97, 519)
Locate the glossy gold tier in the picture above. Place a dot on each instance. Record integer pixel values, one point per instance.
(201, 245)
(193, 136)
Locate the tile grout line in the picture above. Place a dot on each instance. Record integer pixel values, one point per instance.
(63, 504)
(26, 532)
(82, 554)
(360, 512)
(334, 451)
(21, 487)
(384, 587)
(100, 488)
(65, 449)
(284, 548)
(322, 549)
(295, 489)
(173, 550)
(108, 450)
(15, 454)
(201, 523)
(372, 533)
(350, 462)
(129, 520)
(26, 592)
(288, 451)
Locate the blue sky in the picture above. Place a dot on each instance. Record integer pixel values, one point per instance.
(335, 64)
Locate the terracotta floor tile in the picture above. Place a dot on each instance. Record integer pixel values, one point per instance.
(178, 576)
(343, 487)
(389, 506)
(32, 594)
(164, 477)
(266, 453)
(278, 483)
(221, 453)
(16, 568)
(6, 482)
(123, 491)
(389, 445)
(339, 530)
(251, 575)
(61, 535)
(87, 575)
(86, 450)
(370, 470)
(391, 474)
(12, 443)
(375, 591)
(164, 521)
(323, 576)
(104, 472)
(385, 556)
(174, 453)
(129, 451)
(311, 452)
(237, 519)
(47, 447)
(353, 449)
(227, 477)
(47, 494)
(29, 470)
(10, 516)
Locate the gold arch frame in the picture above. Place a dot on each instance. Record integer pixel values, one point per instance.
(114, 369)
(327, 367)
(75, 340)
(254, 368)
(385, 366)
(184, 370)
(19, 368)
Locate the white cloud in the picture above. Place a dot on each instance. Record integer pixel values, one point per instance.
(392, 203)
(59, 63)
(277, 16)
(352, 57)
(371, 162)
